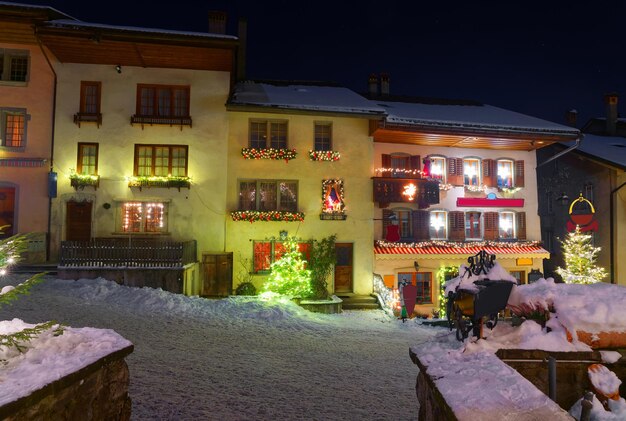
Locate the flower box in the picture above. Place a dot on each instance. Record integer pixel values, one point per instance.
(79, 181)
(324, 155)
(164, 182)
(268, 216)
(269, 153)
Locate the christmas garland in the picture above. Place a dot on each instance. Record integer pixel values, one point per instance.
(253, 216)
(324, 155)
(459, 245)
(268, 153)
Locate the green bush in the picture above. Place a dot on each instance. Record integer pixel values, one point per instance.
(245, 288)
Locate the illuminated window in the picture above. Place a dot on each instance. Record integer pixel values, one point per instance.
(423, 282)
(143, 217)
(12, 127)
(161, 160)
(506, 225)
(268, 134)
(438, 226)
(14, 65)
(505, 173)
(87, 162)
(438, 168)
(268, 195)
(323, 137)
(264, 253)
(471, 171)
(473, 229)
(332, 195)
(162, 101)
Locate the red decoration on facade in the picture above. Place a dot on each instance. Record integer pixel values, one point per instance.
(486, 202)
(581, 213)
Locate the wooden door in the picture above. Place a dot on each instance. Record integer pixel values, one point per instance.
(217, 274)
(7, 212)
(78, 221)
(343, 267)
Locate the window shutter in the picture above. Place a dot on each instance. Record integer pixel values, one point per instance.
(519, 173)
(386, 161)
(421, 222)
(491, 225)
(386, 221)
(457, 225)
(455, 171)
(490, 178)
(520, 225)
(415, 163)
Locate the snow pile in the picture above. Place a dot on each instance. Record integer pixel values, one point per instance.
(465, 280)
(49, 358)
(603, 380)
(598, 413)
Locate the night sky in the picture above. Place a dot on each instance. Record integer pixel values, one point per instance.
(538, 59)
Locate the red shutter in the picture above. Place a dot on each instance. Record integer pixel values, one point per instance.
(386, 222)
(490, 178)
(386, 161)
(262, 252)
(421, 223)
(279, 250)
(491, 225)
(415, 162)
(520, 225)
(457, 225)
(519, 173)
(455, 171)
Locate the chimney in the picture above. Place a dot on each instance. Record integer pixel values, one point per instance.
(571, 118)
(384, 84)
(373, 84)
(242, 33)
(217, 22)
(611, 112)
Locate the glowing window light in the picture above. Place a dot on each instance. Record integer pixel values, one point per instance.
(409, 191)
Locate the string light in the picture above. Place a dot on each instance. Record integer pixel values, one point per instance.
(457, 245)
(324, 155)
(268, 153)
(393, 171)
(253, 216)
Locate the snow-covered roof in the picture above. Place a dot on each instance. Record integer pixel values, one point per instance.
(466, 115)
(35, 7)
(611, 149)
(302, 96)
(60, 23)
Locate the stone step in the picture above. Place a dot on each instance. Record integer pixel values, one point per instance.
(359, 302)
(50, 268)
(360, 306)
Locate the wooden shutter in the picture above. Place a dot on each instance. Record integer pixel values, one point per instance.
(455, 171)
(421, 223)
(386, 161)
(490, 177)
(457, 225)
(415, 162)
(519, 173)
(520, 225)
(491, 225)
(386, 221)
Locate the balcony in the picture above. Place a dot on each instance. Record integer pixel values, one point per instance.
(88, 118)
(423, 192)
(169, 120)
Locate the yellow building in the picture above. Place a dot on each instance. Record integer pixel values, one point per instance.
(26, 114)
(301, 156)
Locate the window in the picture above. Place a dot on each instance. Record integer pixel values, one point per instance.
(90, 97)
(423, 282)
(162, 101)
(520, 275)
(506, 225)
(259, 130)
(264, 253)
(438, 225)
(405, 224)
(268, 195)
(332, 193)
(438, 168)
(161, 160)
(323, 137)
(87, 162)
(143, 217)
(505, 173)
(473, 226)
(14, 65)
(12, 127)
(7, 211)
(471, 171)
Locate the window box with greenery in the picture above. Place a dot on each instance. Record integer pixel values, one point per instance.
(80, 181)
(268, 216)
(162, 104)
(160, 166)
(324, 155)
(271, 153)
(158, 181)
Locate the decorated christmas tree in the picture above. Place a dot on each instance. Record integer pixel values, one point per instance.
(288, 274)
(580, 260)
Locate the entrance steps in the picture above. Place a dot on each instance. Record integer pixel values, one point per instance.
(359, 302)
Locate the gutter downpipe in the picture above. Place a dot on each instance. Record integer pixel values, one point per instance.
(612, 227)
(54, 108)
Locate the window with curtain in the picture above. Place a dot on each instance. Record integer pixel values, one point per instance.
(143, 217)
(268, 195)
(473, 230)
(506, 225)
(161, 160)
(471, 171)
(12, 127)
(265, 134)
(438, 168)
(438, 226)
(87, 162)
(505, 173)
(323, 137)
(162, 100)
(14, 65)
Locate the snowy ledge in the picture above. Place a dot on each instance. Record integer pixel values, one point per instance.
(52, 364)
(470, 386)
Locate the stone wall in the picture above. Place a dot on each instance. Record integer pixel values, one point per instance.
(98, 391)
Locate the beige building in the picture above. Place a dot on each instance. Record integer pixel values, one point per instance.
(319, 183)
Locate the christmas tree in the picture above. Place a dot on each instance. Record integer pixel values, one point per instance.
(580, 260)
(288, 274)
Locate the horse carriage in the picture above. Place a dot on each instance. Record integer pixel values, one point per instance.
(471, 306)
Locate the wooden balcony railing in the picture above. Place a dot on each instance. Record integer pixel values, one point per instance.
(423, 192)
(170, 121)
(127, 253)
(88, 118)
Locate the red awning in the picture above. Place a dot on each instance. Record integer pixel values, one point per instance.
(435, 252)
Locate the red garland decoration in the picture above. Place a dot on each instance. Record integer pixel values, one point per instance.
(269, 153)
(281, 216)
(324, 155)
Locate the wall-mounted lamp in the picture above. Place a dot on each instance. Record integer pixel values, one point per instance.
(118, 68)
(562, 199)
(416, 266)
(283, 235)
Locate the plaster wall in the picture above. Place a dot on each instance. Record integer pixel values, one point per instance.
(350, 138)
(195, 213)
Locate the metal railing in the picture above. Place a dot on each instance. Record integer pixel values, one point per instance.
(127, 253)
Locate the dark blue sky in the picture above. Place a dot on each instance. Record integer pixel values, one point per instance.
(534, 58)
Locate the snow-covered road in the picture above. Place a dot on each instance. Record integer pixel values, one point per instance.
(240, 358)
